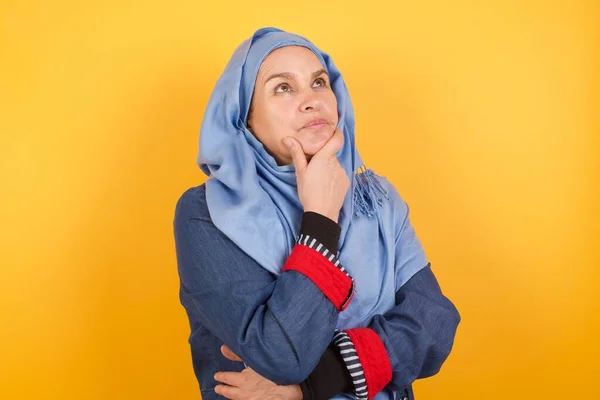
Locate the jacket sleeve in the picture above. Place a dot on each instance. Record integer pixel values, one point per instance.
(280, 326)
(422, 343)
(412, 339)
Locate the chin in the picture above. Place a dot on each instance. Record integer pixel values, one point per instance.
(312, 149)
(313, 145)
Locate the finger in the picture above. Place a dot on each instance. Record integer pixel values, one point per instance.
(230, 355)
(229, 392)
(230, 378)
(334, 144)
(297, 153)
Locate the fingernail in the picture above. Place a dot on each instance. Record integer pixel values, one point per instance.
(216, 376)
(288, 142)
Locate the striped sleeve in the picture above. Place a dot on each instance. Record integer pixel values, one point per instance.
(366, 359)
(310, 258)
(352, 362)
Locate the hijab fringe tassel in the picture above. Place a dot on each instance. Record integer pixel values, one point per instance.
(368, 193)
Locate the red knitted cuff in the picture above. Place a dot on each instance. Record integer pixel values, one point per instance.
(336, 284)
(373, 357)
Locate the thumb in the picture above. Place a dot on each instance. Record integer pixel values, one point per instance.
(334, 144)
(230, 355)
(297, 153)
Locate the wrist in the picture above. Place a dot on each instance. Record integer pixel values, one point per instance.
(331, 215)
(292, 392)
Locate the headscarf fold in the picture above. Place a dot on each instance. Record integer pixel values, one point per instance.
(255, 202)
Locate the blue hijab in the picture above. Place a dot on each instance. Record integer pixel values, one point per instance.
(255, 203)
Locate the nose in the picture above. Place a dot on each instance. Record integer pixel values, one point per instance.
(310, 102)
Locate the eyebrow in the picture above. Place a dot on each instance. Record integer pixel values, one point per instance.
(289, 75)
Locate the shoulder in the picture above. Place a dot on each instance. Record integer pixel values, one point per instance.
(399, 207)
(192, 225)
(192, 204)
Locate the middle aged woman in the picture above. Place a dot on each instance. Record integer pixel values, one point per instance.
(293, 256)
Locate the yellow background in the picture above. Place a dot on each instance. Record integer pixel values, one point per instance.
(483, 114)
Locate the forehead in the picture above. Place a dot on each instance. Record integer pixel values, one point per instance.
(289, 58)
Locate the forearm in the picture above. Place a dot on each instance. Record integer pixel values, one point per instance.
(410, 341)
(262, 317)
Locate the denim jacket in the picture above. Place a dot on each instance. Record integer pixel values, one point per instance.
(280, 326)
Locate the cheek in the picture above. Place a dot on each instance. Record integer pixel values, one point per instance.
(279, 123)
(331, 102)
(281, 116)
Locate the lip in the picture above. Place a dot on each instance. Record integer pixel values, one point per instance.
(316, 123)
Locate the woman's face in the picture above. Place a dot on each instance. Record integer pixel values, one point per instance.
(292, 97)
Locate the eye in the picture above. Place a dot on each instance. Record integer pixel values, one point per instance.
(283, 88)
(321, 82)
